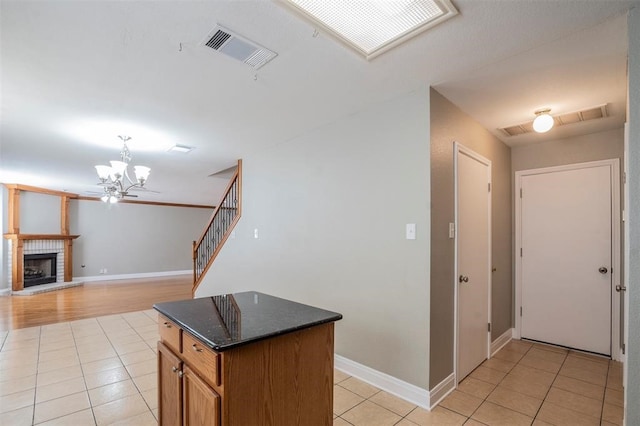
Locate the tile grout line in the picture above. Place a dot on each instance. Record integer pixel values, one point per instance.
(35, 389)
(566, 356)
(145, 342)
(84, 378)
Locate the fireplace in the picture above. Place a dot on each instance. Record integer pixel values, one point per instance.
(40, 269)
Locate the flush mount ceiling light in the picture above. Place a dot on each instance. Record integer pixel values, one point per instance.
(374, 26)
(543, 121)
(115, 178)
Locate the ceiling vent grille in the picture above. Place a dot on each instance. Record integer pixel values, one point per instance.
(224, 41)
(560, 120)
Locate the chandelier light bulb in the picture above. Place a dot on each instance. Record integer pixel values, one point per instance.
(117, 169)
(543, 121)
(142, 173)
(103, 172)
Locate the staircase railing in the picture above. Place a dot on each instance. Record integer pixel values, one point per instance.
(222, 222)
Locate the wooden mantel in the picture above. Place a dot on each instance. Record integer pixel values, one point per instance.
(17, 238)
(40, 237)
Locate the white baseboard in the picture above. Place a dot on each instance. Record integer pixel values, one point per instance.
(387, 383)
(501, 341)
(5, 292)
(442, 389)
(97, 278)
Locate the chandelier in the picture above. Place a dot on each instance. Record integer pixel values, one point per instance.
(115, 178)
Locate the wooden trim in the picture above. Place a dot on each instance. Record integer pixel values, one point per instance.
(224, 195)
(151, 203)
(193, 255)
(14, 210)
(20, 237)
(239, 189)
(64, 215)
(68, 261)
(17, 265)
(29, 188)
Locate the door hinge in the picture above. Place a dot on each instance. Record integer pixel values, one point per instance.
(520, 251)
(520, 192)
(489, 185)
(624, 348)
(489, 327)
(520, 310)
(624, 177)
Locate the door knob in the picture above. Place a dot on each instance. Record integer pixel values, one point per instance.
(620, 288)
(603, 270)
(463, 279)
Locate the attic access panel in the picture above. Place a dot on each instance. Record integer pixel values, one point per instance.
(372, 27)
(576, 117)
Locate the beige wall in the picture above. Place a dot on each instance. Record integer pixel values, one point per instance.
(129, 238)
(632, 396)
(449, 124)
(580, 149)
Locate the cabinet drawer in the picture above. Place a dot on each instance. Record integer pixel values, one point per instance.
(201, 358)
(169, 334)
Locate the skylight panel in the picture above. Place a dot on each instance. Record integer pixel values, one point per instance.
(372, 27)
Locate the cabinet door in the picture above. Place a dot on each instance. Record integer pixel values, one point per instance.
(169, 387)
(201, 405)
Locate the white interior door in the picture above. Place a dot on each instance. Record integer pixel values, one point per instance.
(473, 213)
(566, 258)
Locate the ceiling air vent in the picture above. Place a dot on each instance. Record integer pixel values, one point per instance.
(560, 120)
(238, 47)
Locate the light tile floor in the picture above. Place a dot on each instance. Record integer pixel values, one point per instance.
(102, 371)
(523, 384)
(97, 371)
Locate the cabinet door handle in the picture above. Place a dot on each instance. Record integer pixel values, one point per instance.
(195, 348)
(180, 374)
(166, 324)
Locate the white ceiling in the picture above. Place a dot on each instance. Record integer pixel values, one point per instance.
(77, 74)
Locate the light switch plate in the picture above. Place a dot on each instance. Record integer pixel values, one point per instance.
(411, 231)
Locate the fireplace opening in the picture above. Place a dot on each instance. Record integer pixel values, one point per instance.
(39, 269)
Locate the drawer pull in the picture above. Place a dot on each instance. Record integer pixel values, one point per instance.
(195, 348)
(168, 325)
(174, 369)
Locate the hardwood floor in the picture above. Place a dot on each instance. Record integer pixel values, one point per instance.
(91, 300)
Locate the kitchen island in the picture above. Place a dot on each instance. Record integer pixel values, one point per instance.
(245, 359)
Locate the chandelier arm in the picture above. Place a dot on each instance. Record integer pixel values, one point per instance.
(133, 185)
(126, 176)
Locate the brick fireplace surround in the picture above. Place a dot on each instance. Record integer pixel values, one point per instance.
(23, 244)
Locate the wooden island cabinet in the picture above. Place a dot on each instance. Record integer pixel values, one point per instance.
(245, 359)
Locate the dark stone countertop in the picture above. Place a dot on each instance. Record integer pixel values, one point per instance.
(231, 320)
